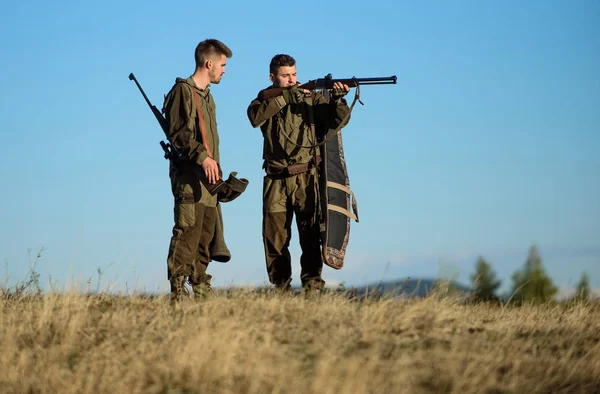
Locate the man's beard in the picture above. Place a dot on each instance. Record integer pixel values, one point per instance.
(215, 79)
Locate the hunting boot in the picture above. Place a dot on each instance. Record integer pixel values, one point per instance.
(311, 292)
(284, 287)
(313, 288)
(202, 289)
(178, 291)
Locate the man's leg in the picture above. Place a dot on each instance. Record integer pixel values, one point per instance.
(276, 231)
(199, 279)
(183, 247)
(305, 199)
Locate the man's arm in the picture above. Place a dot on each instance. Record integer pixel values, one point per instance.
(182, 126)
(259, 111)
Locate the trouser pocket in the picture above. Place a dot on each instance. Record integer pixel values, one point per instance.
(185, 206)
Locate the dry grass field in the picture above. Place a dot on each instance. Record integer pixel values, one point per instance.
(243, 341)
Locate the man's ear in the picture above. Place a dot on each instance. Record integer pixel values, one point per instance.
(272, 78)
(208, 65)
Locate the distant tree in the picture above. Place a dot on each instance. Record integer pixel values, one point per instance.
(582, 292)
(531, 283)
(484, 281)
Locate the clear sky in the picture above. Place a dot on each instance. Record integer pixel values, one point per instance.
(488, 143)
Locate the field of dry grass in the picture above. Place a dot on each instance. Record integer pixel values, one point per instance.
(250, 342)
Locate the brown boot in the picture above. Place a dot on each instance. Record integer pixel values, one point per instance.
(203, 289)
(178, 290)
(313, 288)
(284, 287)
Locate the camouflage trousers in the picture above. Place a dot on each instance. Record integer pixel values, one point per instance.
(282, 198)
(193, 230)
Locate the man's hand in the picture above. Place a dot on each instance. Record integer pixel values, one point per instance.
(298, 84)
(211, 169)
(339, 90)
(293, 95)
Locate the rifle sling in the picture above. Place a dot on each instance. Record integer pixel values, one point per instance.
(205, 141)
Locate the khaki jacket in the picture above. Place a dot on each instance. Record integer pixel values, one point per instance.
(301, 122)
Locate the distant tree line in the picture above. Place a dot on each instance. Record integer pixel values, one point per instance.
(529, 284)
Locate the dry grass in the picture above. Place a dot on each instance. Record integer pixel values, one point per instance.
(247, 342)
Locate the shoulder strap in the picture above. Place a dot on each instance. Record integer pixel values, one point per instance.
(205, 141)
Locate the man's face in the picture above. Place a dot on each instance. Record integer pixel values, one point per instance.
(217, 68)
(286, 76)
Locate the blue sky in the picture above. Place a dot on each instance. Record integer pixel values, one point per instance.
(488, 143)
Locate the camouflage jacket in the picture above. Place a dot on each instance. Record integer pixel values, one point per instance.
(184, 128)
(299, 121)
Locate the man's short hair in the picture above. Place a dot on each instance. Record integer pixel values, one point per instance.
(281, 60)
(210, 48)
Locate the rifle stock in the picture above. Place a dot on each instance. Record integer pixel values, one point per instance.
(328, 82)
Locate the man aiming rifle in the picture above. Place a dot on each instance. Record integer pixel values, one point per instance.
(294, 122)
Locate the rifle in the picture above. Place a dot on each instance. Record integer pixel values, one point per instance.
(327, 83)
(171, 152)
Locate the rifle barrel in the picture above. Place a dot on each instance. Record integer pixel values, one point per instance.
(327, 83)
(134, 79)
(369, 82)
(376, 80)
